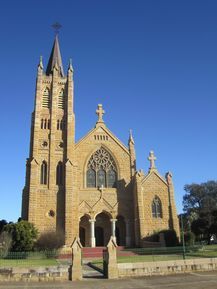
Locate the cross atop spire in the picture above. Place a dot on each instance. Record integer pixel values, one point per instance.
(152, 160)
(100, 113)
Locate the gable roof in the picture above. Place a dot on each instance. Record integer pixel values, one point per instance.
(108, 132)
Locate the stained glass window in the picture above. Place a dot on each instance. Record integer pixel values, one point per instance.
(91, 178)
(111, 178)
(101, 170)
(156, 208)
(101, 178)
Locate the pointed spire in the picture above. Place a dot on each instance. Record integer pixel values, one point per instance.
(40, 65)
(55, 57)
(131, 140)
(70, 67)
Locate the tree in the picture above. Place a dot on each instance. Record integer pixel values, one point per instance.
(200, 198)
(23, 234)
(50, 241)
(2, 224)
(205, 225)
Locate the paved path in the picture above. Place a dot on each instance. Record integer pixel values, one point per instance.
(204, 280)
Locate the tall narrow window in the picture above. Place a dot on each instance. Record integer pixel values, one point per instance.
(59, 174)
(61, 99)
(156, 208)
(44, 173)
(42, 123)
(91, 178)
(46, 98)
(101, 178)
(58, 124)
(111, 178)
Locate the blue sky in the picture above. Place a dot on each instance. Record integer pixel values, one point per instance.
(152, 64)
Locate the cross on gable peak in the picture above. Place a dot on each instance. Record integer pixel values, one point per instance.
(152, 160)
(100, 112)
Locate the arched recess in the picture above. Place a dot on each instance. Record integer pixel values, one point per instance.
(102, 229)
(61, 99)
(59, 174)
(84, 231)
(101, 169)
(120, 231)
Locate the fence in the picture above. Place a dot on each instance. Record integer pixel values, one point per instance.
(34, 259)
(132, 255)
(165, 254)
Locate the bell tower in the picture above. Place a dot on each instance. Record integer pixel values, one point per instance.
(51, 146)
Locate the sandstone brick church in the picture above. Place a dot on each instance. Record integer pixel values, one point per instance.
(90, 188)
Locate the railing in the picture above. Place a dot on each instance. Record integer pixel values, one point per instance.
(35, 259)
(165, 254)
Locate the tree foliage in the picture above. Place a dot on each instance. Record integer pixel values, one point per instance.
(2, 224)
(23, 234)
(200, 206)
(200, 198)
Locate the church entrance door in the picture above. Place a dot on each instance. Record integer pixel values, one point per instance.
(82, 236)
(102, 229)
(99, 235)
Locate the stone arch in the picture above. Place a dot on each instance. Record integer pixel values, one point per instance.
(102, 228)
(84, 230)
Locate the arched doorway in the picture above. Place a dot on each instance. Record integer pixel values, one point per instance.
(120, 231)
(102, 229)
(84, 231)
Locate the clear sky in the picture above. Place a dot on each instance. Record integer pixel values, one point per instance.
(152, 64)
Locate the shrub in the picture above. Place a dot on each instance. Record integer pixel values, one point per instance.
(23, 234)
(50, 241)
(5, 244)
(189, 238)
(170, 237)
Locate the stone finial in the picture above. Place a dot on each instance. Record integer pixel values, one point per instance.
(100, 112)
(152, 160)
(70, 67)
(169, 178)
(40, 65)
(131, 140)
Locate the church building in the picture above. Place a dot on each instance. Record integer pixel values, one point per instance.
(90, 188)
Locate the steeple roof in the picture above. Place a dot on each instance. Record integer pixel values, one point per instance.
(55, 56)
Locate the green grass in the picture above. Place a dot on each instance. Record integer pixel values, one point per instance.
(27, 262)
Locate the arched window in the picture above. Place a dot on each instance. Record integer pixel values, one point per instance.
(61, 99)
(101, 170)
(91, 178)
(156, 208)
(59, 174)
(46, 98)
(111, 178)
(44, 173)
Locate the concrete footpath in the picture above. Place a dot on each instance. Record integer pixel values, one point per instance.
(202, 280)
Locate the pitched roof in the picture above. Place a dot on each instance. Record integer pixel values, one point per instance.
(55, 56)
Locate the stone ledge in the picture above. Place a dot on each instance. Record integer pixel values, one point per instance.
(53, 273)
(166, 267)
